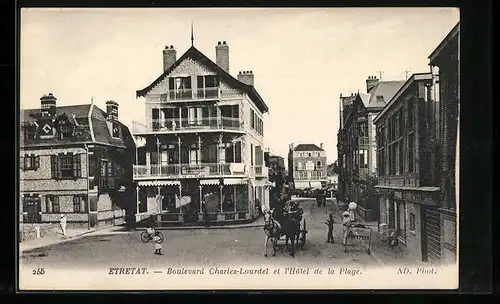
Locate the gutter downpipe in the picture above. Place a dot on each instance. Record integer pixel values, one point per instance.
(88, 184)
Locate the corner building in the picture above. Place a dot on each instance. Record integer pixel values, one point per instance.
(201, 150)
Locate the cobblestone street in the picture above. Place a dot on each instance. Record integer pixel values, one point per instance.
(200, 247)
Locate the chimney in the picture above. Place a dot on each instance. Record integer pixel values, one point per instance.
(321, 145)
(290, 147)
(371, 82)
(112, 110)
(246, 77)
(48, 105)
(222, 55)
(169, 57)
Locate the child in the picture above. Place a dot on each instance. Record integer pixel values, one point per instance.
(156, 239)
(329, 223)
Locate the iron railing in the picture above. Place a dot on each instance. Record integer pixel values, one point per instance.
(186, 170)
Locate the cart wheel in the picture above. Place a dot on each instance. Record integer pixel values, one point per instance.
(160, 235)
(144, 237)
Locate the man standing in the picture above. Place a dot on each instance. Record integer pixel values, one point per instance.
(329, 223)
(63, 224)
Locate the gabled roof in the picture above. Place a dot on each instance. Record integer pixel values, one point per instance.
(307, 147)
(365, 98)
(451, 35)
(195, 54)
(384, 89)
(94, 130)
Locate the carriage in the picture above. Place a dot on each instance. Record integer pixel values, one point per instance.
(301, 239)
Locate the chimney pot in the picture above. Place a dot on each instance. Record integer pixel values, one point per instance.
(219, 43)
(171, 46)
(224, 42)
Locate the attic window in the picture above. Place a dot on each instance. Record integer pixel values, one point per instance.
(380, 97)
(115, 131)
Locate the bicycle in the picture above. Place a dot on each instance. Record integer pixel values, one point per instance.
(146, 237)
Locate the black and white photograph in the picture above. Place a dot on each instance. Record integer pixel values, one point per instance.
(238, 148)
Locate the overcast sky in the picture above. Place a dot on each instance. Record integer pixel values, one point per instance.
(303, 59)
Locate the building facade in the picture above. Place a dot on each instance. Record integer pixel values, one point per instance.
(358, 147)
(307, 166)
(408, 166)
(77, 161)
(445, 66)
(202, 142)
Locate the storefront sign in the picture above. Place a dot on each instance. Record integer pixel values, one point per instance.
(398, 194)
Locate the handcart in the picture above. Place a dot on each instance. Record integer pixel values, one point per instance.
(359, 235)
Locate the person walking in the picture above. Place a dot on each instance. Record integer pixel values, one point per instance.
(346, 226)
(329, 223)
(62, 223)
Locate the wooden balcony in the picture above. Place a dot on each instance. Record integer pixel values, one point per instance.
(186, 125)
(144, 172)
(184, 95)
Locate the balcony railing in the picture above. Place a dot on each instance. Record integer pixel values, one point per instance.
(311, 175)
(188, 170)
(191, 94)
(187, 124)
(260, 171)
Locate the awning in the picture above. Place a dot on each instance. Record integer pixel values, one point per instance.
(159, 183)
(209, 182)
(235, 181)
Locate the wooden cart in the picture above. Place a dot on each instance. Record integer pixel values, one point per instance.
(359, 235)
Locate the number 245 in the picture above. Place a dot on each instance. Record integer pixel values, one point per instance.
(39, 271)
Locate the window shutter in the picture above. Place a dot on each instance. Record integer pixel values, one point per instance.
(156, 114)
(53, 166)
(21, 164)
(199, 82)
(37, 162)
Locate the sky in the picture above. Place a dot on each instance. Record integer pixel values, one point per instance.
(302, 59)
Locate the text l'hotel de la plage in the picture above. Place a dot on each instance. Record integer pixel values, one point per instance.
(209, 146)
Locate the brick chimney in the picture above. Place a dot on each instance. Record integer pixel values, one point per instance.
(246, 77)
(371, 82)
(48, 105)
(169, 57)
(112, 110)
(222, 55)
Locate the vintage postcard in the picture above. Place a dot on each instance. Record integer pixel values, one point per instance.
(238, 148)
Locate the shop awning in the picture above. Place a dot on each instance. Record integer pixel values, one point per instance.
(159, 183)
(308, 185)
(235, 181)
(209, 182)
(406, 188)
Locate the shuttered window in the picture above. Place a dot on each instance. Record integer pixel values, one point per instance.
(30, 162)
(66, 166)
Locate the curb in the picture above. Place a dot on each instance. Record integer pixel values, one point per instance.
(203, 227)
(75, 237)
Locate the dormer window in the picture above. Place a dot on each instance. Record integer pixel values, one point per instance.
(115, 131)
(380, 98)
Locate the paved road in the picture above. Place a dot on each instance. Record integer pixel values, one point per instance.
(212, 247)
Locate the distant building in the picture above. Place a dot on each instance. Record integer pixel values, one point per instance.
(307, 166)
(357, 150)
(203, 142)
(277, 175)
(408, 165)
(77, 161)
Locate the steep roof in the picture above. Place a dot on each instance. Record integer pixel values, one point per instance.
(383, 92)
(307, 147)
(94, 130)
(365, 98)
(195, 54)
(447, 40)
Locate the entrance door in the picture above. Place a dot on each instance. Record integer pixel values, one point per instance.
(33, 208)
(401, 221)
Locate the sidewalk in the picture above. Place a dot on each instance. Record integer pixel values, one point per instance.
(71, 234)
(257, 223)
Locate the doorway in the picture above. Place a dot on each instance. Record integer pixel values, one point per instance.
(33, 207)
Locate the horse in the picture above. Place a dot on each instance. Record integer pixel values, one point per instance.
(291, 230)
(272, 230)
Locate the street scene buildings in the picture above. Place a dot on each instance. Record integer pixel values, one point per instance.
(240, 151)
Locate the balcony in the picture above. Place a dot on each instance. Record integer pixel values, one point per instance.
(191, 94)
(309, 175)
(187, 125)
(260, 171)
(188, 171)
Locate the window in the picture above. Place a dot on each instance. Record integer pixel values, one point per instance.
(116, 130)
(77, 204)
(64, 166)
(412, 222)
(52, 204)
(30, 162)
(252, 119)
(411, 113)
(363, 158)
(401, 158)
(411, 148)
(318, 164)
(299, 165)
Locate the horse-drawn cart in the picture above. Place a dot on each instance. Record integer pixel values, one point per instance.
(359, 234)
